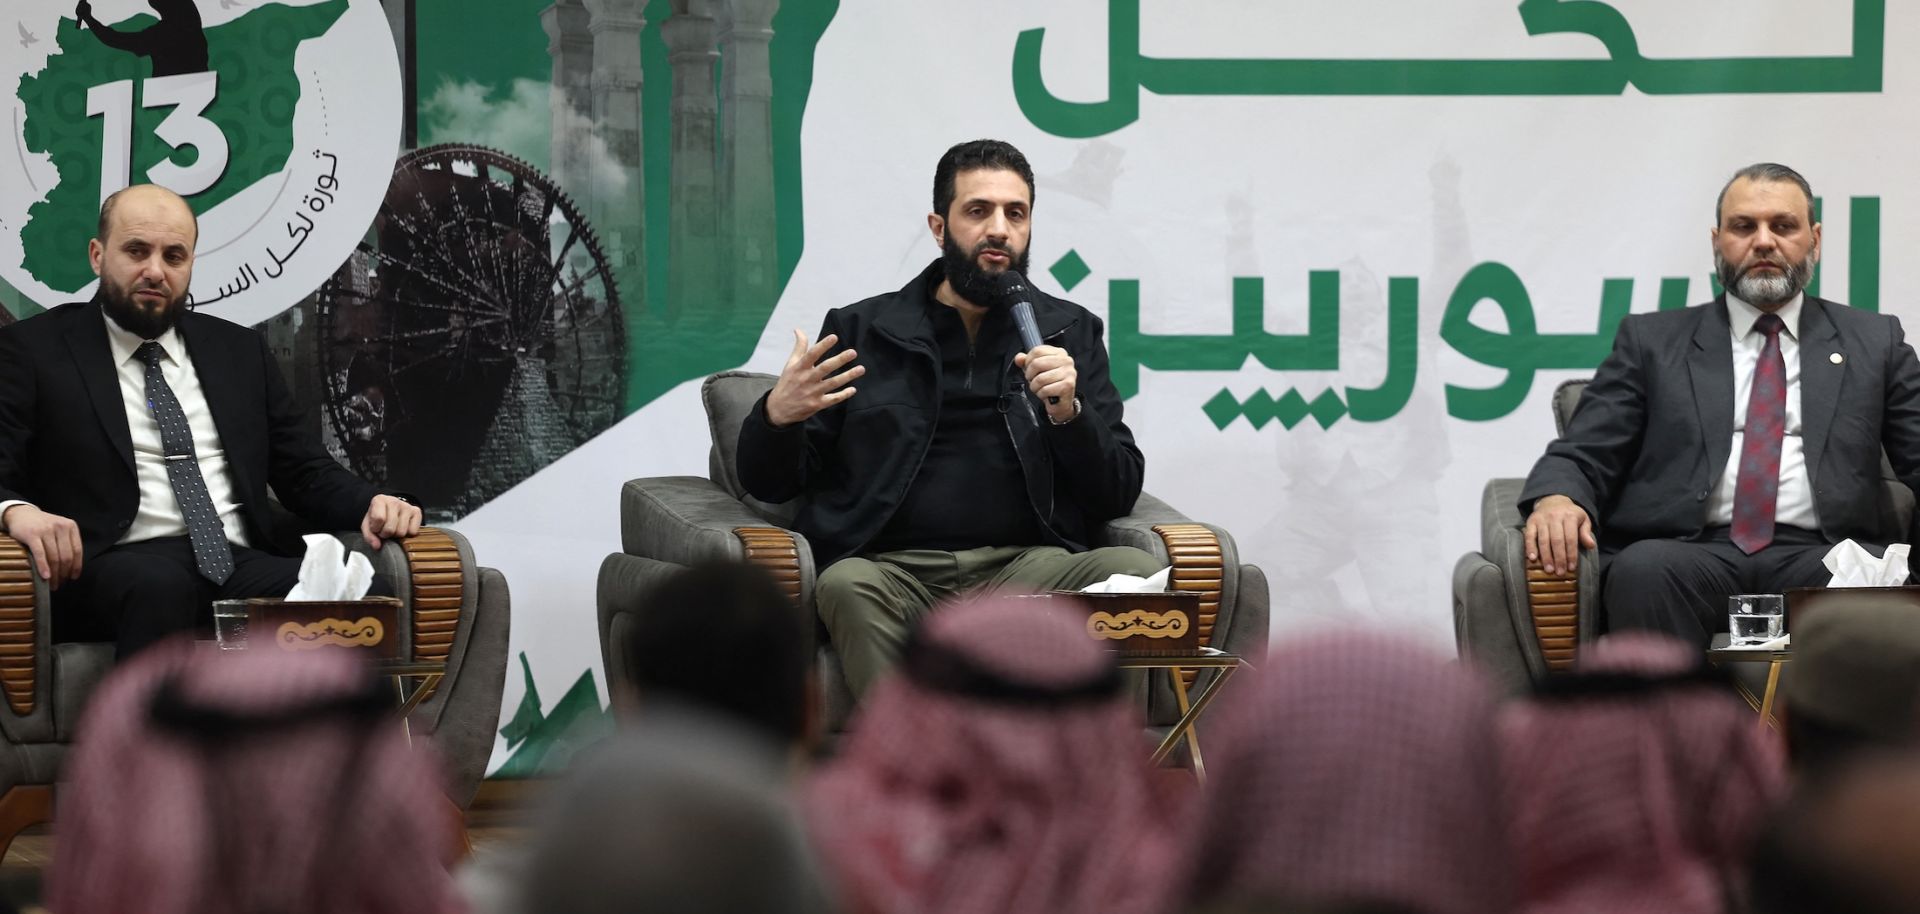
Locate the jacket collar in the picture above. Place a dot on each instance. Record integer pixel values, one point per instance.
(907, 322)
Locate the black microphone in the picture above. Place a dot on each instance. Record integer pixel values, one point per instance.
(1010, 291)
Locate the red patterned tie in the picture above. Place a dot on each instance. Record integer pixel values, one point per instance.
(1757, 487)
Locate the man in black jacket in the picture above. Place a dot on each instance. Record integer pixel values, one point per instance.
(963, 461)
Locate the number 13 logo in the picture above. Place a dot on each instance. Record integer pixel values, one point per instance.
(188, 94)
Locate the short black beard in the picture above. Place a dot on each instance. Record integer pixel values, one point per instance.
(132, 318)
(970, 280)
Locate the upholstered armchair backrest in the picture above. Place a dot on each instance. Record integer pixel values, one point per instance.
(728, 397)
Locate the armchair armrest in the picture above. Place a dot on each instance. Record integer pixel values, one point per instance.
(1552, 614)
(689, 519)
(25, 640)
(1203, 557)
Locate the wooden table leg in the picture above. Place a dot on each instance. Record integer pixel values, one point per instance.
(21, 807)
(457, 821)
(1766, 700)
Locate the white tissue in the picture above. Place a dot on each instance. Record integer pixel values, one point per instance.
(1126, 583)
(1853, 566)
(329, 572)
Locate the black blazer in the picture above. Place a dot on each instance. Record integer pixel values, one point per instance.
(1652, 432)
(65, 444)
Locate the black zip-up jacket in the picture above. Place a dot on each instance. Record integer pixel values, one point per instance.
(851, 464)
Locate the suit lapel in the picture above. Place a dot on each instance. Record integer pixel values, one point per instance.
(1710, 365)
(219, 384)
(93, 359)
(1820, 378)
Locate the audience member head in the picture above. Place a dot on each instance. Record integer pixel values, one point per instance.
(1847, 841)
(1854, 683)
(682, 812)
(730, 610)
(999, 767)
(1639, 783)
(1353, 772)
(256, 781)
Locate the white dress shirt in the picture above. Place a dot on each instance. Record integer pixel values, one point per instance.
(159, 513)
(1794, 505)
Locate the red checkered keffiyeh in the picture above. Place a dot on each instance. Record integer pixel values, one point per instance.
(1354, 768)
(1641, 798)
(1000, 770)
(261, 781)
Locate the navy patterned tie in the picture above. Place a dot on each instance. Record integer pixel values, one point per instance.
(1756, 487)
(212, 554)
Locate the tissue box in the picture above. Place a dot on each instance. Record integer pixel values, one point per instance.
(1803, 600)
(1142, 624)
(369, 625)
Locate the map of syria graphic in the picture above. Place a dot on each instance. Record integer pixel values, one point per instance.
(259, 92)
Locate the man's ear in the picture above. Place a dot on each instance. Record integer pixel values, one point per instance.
(95, 251)
(937, 224)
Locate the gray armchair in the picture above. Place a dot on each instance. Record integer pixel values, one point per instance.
(672, 521)
(1520, 623)
(453, 610)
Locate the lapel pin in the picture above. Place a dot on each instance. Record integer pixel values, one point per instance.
(1836, 358)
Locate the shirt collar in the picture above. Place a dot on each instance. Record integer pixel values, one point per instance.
(122, 342)
(1743, 315)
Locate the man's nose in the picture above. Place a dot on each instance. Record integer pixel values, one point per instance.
(1763, 239)
(998, 228)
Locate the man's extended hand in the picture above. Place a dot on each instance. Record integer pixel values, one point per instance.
(808, 385)
(53, 540)
(1052, 378)
(1556, 532)
(389, 517)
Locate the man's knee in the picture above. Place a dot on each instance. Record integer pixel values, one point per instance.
(849, 590)
(1112, 560)
(1653, 561)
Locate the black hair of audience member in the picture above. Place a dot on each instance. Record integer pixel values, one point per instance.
(1817, 746)
(1817, 855)
(725, 637)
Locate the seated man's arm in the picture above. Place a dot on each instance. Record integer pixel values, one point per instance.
(309, 482)
(1099, 464)
(785, 434)
(1583, 468)
(1900, 427)
(53, 540)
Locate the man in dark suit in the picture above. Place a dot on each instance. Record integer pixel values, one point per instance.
(138, 440)
(1723, 448)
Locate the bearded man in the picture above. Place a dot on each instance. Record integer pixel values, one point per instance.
(1723, 448)
(138, 440)
(961, 460)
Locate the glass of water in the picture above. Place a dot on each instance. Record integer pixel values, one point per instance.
(1753, 618)
(230, 624)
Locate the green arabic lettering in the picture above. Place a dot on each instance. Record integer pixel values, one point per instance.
(1403, 356)
(1083, 119)
(1522, 349)
(1128, 349)
(1129, 72)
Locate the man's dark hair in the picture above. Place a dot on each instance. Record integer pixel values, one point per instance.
(971, 156)
(1764, 171)
(1792, 870)
(724, 637)
(1818, 746)
(113, 199)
